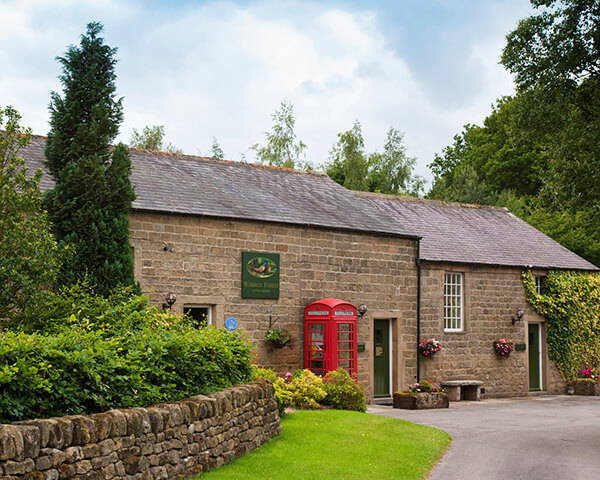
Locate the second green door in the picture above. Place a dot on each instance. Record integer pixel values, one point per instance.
(381, 360)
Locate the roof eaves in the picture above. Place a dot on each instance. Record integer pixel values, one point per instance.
(300, 224)
(508, 265)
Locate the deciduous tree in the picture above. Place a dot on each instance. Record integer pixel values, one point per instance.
(29, 255)
(282, 149)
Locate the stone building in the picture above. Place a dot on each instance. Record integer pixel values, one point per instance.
(424, 269)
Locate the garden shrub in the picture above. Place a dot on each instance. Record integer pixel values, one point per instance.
(570, 302)
(77, 305)
(96, 361)
(306, 389)
(282, 394)
(343, 392)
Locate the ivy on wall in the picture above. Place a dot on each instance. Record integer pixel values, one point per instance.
(570, 302)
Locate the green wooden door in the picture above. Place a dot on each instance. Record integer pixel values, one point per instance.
(381, 352)
(535, 383)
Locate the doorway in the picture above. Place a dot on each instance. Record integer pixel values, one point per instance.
(534, 335)
(381, 359)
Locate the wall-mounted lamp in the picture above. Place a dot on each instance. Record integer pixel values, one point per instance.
(518, 316)
(170, 300)
(362, 309)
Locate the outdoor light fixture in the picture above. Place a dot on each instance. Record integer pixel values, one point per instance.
(518, 316)
(362, 309)
(170, 299)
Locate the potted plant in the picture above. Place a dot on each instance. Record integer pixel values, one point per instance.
(503, 347)
(587, 383)
(429, 347)
(421, 396)
(278, 337)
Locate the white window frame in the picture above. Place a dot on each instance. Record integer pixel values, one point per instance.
(208, 307)
(538, 283)
(454, 288)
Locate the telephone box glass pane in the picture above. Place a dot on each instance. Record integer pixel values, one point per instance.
(316, 356)
(344, 335)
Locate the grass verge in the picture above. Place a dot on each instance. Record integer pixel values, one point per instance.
(341, 445)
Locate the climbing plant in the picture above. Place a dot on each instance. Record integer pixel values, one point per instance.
(570, 302)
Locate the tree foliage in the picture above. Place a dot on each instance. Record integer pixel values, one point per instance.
(216, 150)
(558, 46)
(90, 203)
(152, 138)
(537, 152)
(570, 302)
(389, 171)
(282, 148)
(29, 255)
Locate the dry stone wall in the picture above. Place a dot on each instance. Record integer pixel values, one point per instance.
(165, 441)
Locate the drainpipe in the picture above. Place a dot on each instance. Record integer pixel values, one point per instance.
(418, 262)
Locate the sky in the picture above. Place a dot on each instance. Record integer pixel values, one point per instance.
(207, 69)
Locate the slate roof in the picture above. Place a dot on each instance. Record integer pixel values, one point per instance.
(463, 233)
(450, 232)
(193, 185)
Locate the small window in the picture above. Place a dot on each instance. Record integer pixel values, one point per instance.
(453, 302)
(539, 283)
(201, 316)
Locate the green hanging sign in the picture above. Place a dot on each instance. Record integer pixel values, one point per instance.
(260, 275)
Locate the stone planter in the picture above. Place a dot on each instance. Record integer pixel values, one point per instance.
(421, 401)
(585, 386)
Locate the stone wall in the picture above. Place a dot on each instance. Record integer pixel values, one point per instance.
(492, 296)
(202, 266)
(164, 441)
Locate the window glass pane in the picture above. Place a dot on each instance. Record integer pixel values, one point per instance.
(317, 327)
(345, 355)
(317, 364)
(453, 301)
(345, 346)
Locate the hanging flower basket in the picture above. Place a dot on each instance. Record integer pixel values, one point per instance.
(429, 347)
(278, 337)
(503, 347)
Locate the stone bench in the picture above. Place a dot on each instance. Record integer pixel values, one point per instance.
(463, 389)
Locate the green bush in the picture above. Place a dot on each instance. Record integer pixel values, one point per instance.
(96, 356)
(306, 389)
(282, 394)
(343, 392)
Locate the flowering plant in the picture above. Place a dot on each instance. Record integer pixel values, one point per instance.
(504, 346)
(424, 387)
(588, 373)
(429, 347)
(278, 337)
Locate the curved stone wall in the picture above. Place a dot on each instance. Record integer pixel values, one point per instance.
(164, 441)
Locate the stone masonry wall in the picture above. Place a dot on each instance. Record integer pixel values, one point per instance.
(202, 266)
(165, 441)
(491, 297)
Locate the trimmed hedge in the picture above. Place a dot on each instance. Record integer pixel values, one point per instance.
(91, 364)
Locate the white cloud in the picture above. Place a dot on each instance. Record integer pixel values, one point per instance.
(221, 69)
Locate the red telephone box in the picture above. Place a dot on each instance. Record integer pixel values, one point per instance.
(330, 336)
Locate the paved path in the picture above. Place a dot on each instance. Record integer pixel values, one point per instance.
(545, 438)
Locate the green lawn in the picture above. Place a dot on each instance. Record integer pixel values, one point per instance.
(341, 445)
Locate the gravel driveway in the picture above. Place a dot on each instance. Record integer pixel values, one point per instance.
(545, 437)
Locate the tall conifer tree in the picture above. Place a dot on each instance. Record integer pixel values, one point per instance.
(90, 203)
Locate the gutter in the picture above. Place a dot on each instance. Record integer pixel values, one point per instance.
(418, 262)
